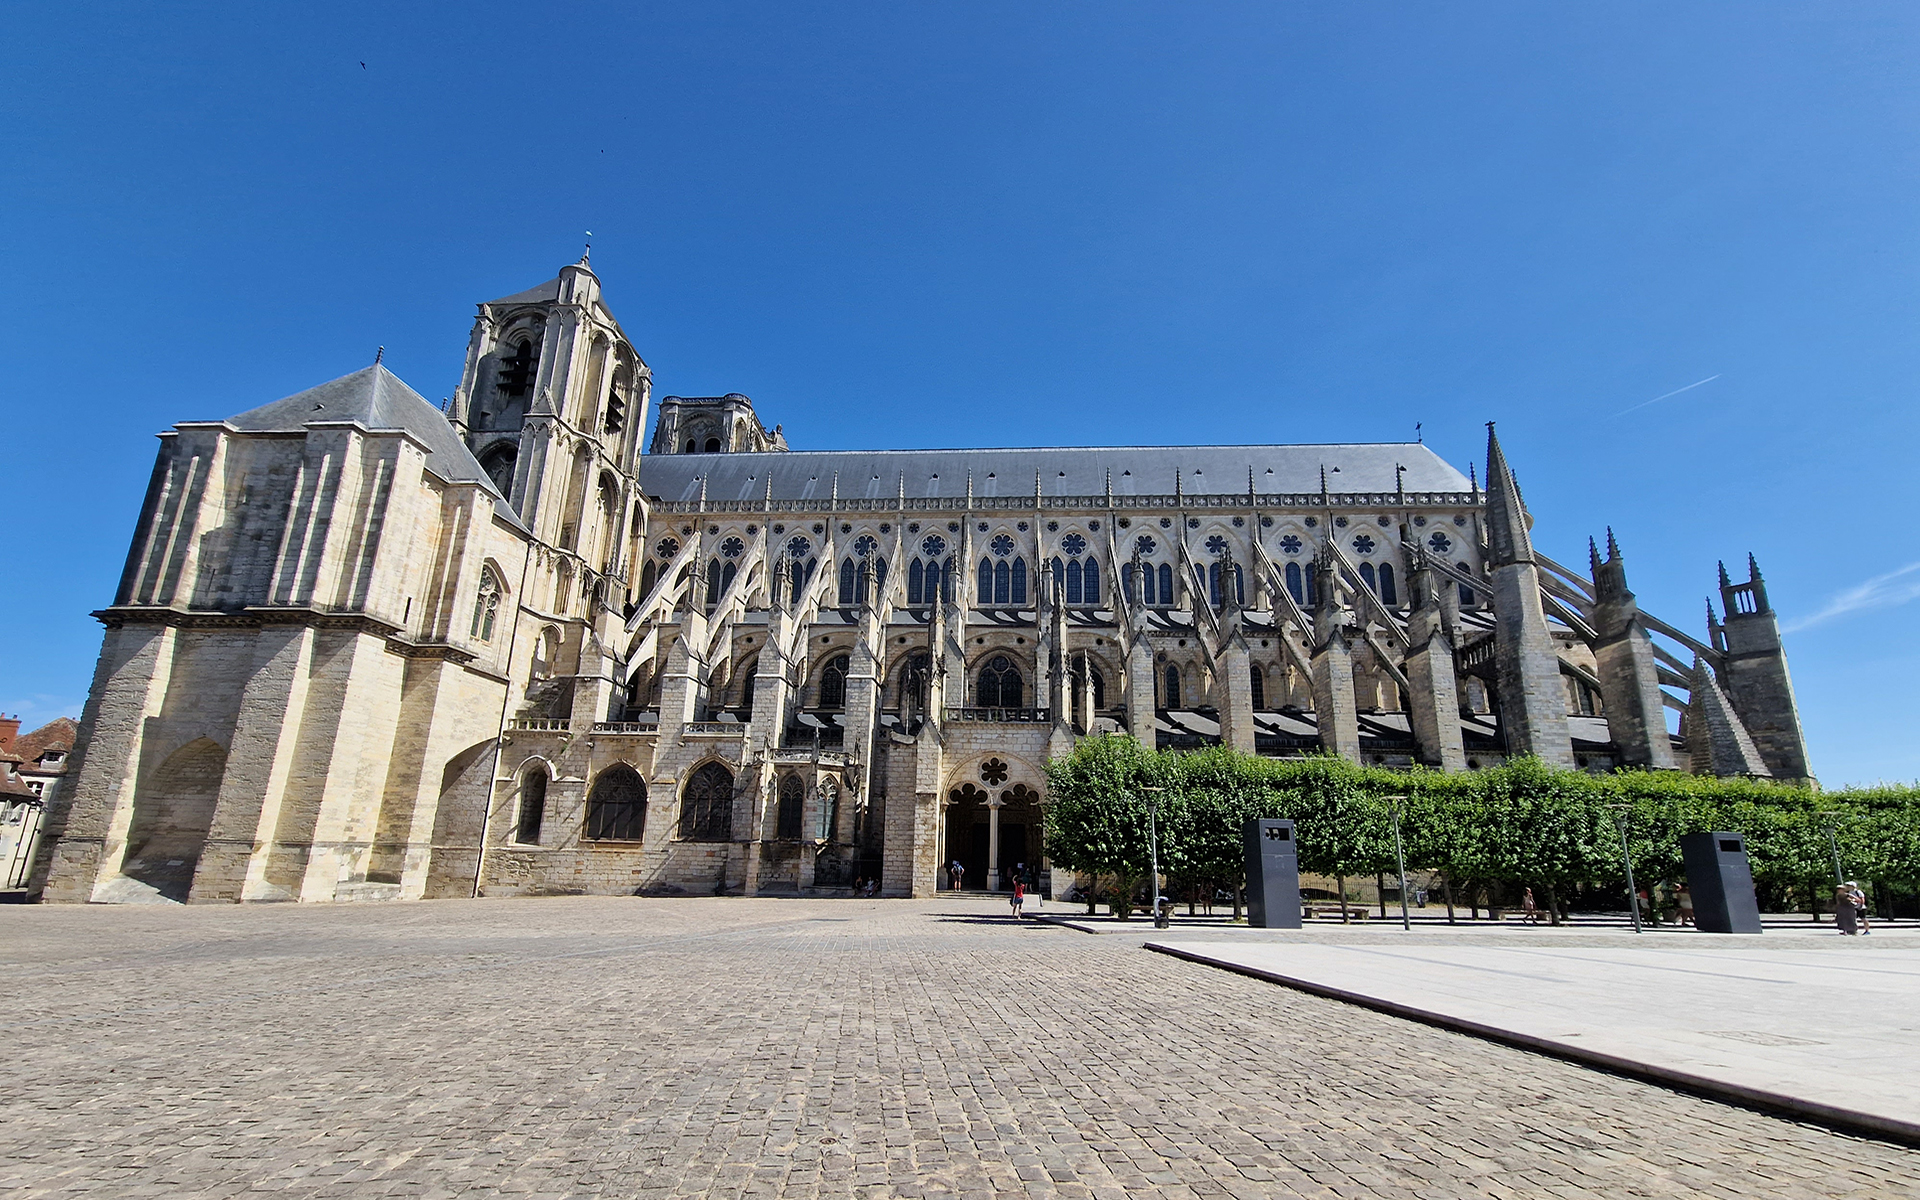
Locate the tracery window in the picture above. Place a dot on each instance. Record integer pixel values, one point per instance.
(1290, 544)
(916, 682)
(706, 805)
(617, 805)
(865, 545)
(1170, 688)
(926, 579)
(1259, 683)
(1363, 544)
(1145, 545)
(1002, 544)
(1074, 544)
(1000, 684)
(1216, 544)
(1466, 593)
(1440, 543)
(793, 802)
(798, 546)
(1294, 586)
(833, 682)
(516, 370)
(1235, 578)
(732, 547)
(801, 576)
(486, 605)
(1388, 593)
(533, 806)
(666, 548)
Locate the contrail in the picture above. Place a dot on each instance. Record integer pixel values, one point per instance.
(1670, 395)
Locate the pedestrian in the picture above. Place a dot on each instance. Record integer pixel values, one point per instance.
(1686, 904)
(1858, 899)
(1846, 918)
(958, 872)
(1528, 911)
(1019, 895)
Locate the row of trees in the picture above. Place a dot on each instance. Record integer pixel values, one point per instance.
(1523, 824)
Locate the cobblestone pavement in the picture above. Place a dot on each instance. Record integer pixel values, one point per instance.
(714, 1047)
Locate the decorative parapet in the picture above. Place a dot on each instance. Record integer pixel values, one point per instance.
(1023, 716)
(826, 758)
(539, 725)
(647, 727)
(712, 729)
(1230, 500)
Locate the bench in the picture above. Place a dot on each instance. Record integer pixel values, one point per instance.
(1354, 911)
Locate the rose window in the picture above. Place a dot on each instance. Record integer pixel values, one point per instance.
(993, 772)
(1363, 544)
(1440, 543)
(667, 548)
(1290, 543)
(1002, 545)
(1145, 545)
(1216, 544)
(933, 546)
(865, 545)
(1074, 544)
(733, 547)
(798, 547)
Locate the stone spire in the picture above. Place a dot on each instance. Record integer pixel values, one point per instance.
(1507, 537)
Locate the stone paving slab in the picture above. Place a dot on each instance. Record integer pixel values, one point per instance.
(846, 1050)
(1831, 1033)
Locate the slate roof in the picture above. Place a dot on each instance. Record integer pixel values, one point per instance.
(57, 734)
(1063, 471)
(546, 293)
(377, 398)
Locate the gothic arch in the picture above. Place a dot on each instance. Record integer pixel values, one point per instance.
(706, 802)
(530, 805)
(617, 805)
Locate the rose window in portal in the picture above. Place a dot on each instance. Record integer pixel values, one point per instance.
(993, 772)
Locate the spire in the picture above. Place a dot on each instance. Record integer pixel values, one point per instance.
(1507, 538)
(1593, 556)
(1613, 547)
(1725, 582)
(378, 355)
(1473, 480)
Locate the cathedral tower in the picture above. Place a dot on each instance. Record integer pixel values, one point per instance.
(1624, 660)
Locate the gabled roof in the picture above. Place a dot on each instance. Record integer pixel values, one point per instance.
(1061, 471)
(57, 734)
(377, 399)
(546, 293)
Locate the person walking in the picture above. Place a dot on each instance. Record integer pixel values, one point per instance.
(1528, 910)
(1858, 899)
(1019, 897)
(1846, 918)
(1685, 899)
(958, 872)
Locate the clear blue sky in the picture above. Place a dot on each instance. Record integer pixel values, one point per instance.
(960, 225)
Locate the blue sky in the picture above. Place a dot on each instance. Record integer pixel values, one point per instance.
(955, 225)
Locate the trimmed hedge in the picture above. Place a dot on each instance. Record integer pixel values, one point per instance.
(1521, 824)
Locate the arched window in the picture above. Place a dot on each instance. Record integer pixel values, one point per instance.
(1000, 685)
(498, 464)
(748, 673)
(1172, 688)
(713, 582)
(1019, 593)
(1294, 587)
(801, 577)
(516, 369)
(847, 576)
(1213, 584)
(706, 805)
(1366, 577)
(647, 576)
(833, 683)
(984, 589)
(1074, 595)
(1002, 583)
(617, 806)
(916, 682)
(1259, 682)
(916, 580)
(1166, 585)
(946, 581)
(713, 445)
(1466, 593)
(793, 803)
(1313, 586)
(1090, 581)
(1389, 595)
(486, 605)
(533, 806)
(1099, 686)
(726, 576)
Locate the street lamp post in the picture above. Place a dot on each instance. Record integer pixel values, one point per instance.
(1633, 893)
(1400, 853)
(1153, 844)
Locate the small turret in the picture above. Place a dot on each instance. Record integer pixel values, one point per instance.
(1507, 538)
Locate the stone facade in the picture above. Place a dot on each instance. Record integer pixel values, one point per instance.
(365, 648)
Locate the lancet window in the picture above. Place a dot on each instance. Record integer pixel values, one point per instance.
(793, 802)
(1000, 685)
(533, 806)
(617, 805)
(833, 682)
(486, 605)
(706, 805)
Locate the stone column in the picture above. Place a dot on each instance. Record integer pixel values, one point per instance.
(993, 844)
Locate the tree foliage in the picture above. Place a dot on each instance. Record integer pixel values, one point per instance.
(1519, 824)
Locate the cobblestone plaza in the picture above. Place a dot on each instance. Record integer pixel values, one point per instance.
(728, 1047)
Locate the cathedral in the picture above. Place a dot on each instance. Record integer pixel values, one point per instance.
(369, 647)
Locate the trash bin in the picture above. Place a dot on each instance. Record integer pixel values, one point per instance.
(1163, 919)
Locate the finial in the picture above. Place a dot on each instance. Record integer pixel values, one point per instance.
(587, 253)
(1473, 478)
(1613, 547)
(1753, 568)
(378, 355)
(1593, 556)
(1712, 618)
(1399, 480)
(1725, 582)
(1418, 436)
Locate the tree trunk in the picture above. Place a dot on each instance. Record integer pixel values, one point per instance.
(1380, 892)
(1193, 890)
(1553, 905)
(1340, 881)
(1239, 892)
(1446, 889)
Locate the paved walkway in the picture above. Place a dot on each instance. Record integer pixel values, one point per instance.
(692, 1047)
(1831, 1032)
